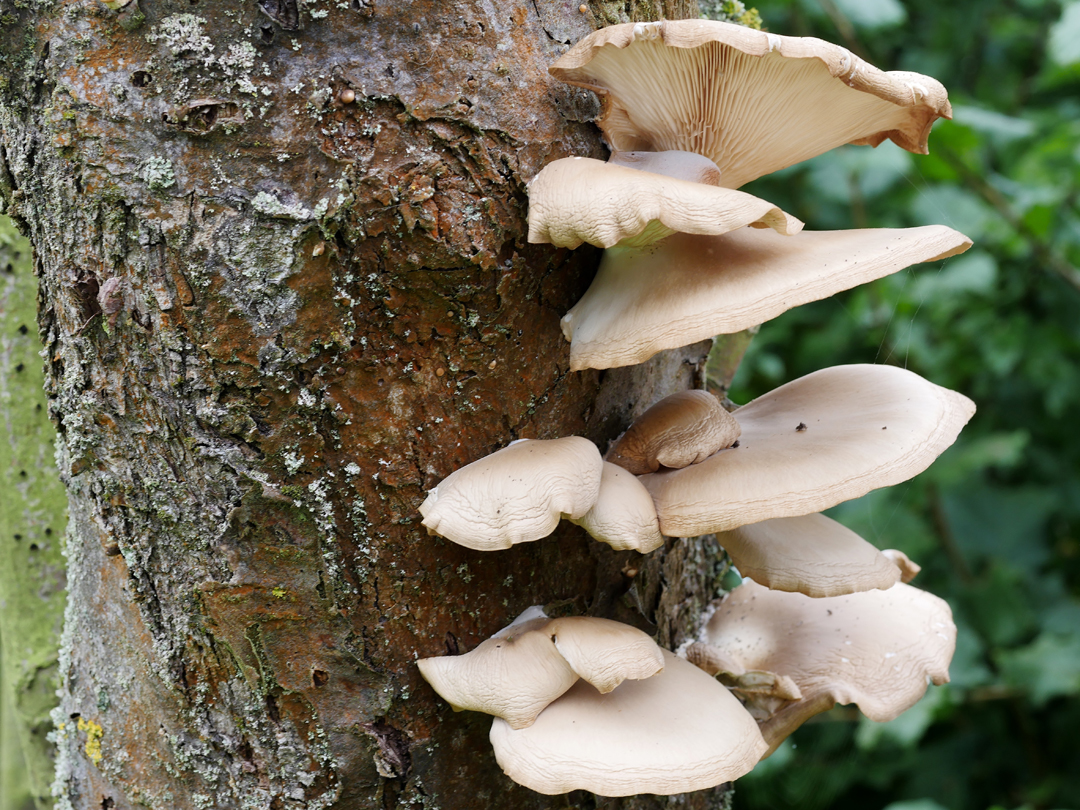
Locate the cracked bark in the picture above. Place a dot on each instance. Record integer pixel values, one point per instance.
(284, 289)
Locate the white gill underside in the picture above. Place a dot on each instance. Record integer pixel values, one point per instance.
(751, 115)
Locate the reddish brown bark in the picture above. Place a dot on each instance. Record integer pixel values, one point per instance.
(285, 288)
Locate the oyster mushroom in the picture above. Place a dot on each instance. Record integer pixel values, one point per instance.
(822, 439)
(515, 495)
(681, 429)
(810, 554)
(751, 101)
(689, 287)
(675, 732)
(876, 649)
(517, 672)
(579, 199)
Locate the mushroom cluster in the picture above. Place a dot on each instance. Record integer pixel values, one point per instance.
(692, 110)
(587, 703)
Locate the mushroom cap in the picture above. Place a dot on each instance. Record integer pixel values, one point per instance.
(681, 429)
(675, 732)
(688, 166)
(876, 649)
(688, 288)
(624, 515)
(753, 102)
(524, 667)
(578, 199)
(516, 494)
(825, 438)
(809, 554)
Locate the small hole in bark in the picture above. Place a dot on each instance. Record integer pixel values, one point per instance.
(390, 71)
(319, 678)
(272, 708)
(107, 803)
(34, 547)
(140, 78)
(266, 34)
(20, 367)
(23, 330)
(452, 644)
(18, 537)
(48, 532)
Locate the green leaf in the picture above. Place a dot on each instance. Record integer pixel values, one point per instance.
(1048, 667)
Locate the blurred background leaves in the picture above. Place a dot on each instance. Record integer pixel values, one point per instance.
(996, 521)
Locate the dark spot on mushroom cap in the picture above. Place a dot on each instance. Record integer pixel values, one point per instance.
(800, 427)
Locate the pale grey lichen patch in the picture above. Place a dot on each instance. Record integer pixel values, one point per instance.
(183, 33)
(157, 173)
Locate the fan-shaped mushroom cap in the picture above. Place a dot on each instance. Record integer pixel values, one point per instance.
(624, 515)
(681, 165)
(681, 429)
(579, 199)
(819, 440)
(876, 649)
(810, 554)
(527, 665)
(672, 733)
(516, 494)
(687, 288)
(752, 102)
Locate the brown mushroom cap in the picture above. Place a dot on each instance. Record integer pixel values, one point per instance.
(675, 732)
(753, 102)
(876, 649)
(579, 199)
(681, 429)
(687, 288)
(516, 494)
(862, 427)
(810, 554)
(527, 665)
(624, 515)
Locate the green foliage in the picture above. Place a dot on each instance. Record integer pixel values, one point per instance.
(996, 521)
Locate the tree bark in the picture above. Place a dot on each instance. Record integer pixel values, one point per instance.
(284, 290)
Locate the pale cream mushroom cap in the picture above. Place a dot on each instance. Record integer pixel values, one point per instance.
(524, 667)
(687, 288)
(516, 494)
(819, 440)
(675, 732)
(753, 102)
(681, 429)
(809, 554)
(624, 515)
(688, 166)
(877, 649)
(578, 199)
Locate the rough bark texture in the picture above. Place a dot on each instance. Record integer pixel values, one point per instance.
(284, 290)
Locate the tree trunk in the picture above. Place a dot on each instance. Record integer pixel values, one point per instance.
(284, 290)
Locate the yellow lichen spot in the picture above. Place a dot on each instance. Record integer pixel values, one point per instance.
(94, 733)
(279, 592)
